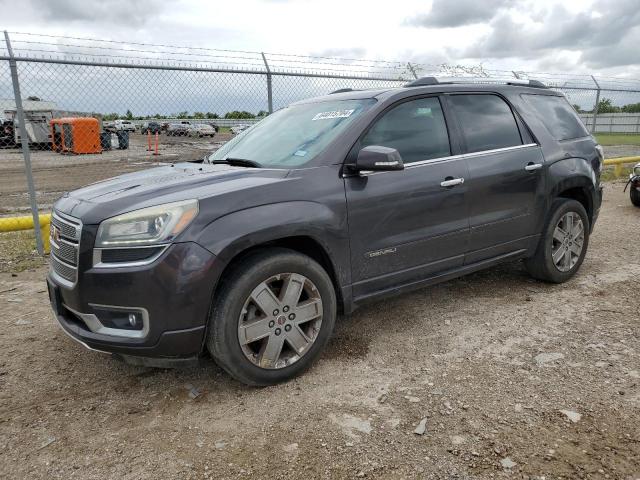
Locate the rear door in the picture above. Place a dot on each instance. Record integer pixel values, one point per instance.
(505, 182)
(405, 225)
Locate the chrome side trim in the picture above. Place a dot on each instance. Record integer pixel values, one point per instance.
(76, 339)
(449, 158)
(93, 323)
(98, 263)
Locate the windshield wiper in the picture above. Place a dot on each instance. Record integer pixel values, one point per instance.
(239, 162)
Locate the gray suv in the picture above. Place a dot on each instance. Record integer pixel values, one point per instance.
(324, 205)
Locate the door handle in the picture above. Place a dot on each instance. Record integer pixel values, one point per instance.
(531, 167)
(451, 182)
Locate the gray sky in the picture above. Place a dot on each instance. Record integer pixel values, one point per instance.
(546, 35)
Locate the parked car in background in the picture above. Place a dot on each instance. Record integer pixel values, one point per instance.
(178, 129)
(236, 129)
(150, 127)
(634, 185)
(321, 207)
(119, 126)
(202, 130)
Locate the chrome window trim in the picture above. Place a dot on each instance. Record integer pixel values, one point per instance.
(98, 263)
(449, 158)
(93, 323)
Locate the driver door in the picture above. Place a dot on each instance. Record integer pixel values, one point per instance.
(406, 226)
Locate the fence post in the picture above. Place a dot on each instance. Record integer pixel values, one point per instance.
(412, 70)
(595, 107)
(24, 140)
(269, 86)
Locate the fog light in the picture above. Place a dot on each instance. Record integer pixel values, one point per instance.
(119, 317)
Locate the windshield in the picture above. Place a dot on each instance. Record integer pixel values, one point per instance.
(293, 136)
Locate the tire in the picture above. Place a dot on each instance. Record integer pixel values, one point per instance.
(542, 265)
(634, 195)
(233, 309)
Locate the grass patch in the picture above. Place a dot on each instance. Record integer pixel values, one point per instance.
(608, 139)
(18, 252)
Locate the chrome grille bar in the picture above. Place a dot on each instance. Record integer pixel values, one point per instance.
(65, 247)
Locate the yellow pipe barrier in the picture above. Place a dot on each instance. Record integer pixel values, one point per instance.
(14, 224)
(619, 162)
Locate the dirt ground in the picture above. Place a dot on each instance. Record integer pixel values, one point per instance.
(514, 378)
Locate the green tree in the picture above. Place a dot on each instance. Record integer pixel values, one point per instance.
(239, 115)
(212, 115)
(606, 106)
(631, 108)
(198, 115)
(262, 113)
(128, 115)
(184, 114)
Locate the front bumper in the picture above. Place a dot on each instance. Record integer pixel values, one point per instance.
(173, 294)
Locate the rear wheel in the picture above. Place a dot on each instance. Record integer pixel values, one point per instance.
(272, 316)
(634, 194)
(563, 244)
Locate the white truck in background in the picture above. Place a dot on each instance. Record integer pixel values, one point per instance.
(119, 126)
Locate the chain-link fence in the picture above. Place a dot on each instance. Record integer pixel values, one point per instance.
(94, 109)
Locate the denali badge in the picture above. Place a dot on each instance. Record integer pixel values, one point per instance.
(377, 253)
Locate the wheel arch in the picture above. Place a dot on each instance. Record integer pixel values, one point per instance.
(577, 184)
(304, 244)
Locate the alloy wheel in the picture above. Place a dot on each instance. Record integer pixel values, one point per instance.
(280, 320)
(568, 241)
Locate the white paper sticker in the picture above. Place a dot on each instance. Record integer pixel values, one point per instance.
(300, 153)
(334, 114)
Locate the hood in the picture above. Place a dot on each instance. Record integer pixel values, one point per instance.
(155, 186)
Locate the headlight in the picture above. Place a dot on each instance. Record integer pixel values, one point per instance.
(147, 226)
(636, 170)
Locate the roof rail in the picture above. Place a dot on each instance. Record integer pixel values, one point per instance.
(342, 90)
(425, 81)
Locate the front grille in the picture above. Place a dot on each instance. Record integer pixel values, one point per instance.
(65, 251)
(63, 270)
(65, 241)
(69, 227)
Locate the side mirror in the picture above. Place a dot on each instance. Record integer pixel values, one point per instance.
(378, 159)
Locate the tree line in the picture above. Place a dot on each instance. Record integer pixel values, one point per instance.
(606, 106)
(235, 114)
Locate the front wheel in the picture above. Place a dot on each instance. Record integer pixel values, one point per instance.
(563, 243)
(634, 194)
(272, 316)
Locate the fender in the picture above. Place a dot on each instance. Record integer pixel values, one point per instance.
(233, 233)
(571, 173)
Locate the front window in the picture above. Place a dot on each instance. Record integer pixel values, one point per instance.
(416, 129)
(293, 136)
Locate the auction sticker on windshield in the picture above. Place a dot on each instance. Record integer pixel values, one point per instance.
(334, 114)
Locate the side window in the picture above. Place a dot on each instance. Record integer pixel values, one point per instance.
(487, 122)
(558, 116)
(416, 129)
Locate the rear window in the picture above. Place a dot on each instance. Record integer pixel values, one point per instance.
(487, 122)
(558, 116)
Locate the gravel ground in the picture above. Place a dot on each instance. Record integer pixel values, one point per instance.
(511, 378)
